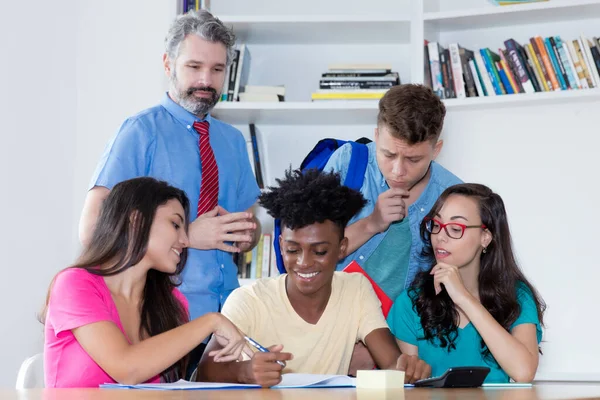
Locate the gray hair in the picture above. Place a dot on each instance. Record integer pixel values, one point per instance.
(203, 24)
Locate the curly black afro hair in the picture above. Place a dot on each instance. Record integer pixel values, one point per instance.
(306, 197)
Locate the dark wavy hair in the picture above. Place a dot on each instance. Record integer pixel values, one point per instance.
(120, 241)
(306, 197)
(499, 275)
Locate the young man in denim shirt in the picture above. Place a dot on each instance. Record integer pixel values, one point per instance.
(402, 182)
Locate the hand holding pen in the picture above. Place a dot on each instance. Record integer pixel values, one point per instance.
(262, 349)
(267, 364)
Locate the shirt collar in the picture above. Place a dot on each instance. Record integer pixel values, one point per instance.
(182, 115)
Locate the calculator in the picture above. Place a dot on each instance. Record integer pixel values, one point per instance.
(457, 377)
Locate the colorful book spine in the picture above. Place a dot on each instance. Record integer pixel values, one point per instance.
(539, 66)
(446, 73)
(505, 82)
(583, 62)
(529, 68)
(489, 59)
(508, 68)
(436, 70)
(545, 60)
(476, 77)
(594, 59)
(484, 75)
(556, 66)
(470, 78)
(580, 75)
(563, 53)
(457, 72)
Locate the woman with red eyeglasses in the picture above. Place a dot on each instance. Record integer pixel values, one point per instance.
(474, 306)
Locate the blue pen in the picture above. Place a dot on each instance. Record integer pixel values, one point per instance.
(261, 348)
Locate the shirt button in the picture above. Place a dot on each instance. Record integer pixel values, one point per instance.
(422, 210)
(189, 126)
(361, 257)
(222, 266)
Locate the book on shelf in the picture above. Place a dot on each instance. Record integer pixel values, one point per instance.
(541, 64)
(191, 5)
(348, 95)
(435, 69)
(355, 82)
(258, 263)
(256, 156)
(427, 76)
(259, 97)
(263, 93)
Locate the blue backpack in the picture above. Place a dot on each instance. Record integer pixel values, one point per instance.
(317, 158)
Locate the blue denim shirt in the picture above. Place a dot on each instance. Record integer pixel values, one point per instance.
(375, 184)
(161, 142)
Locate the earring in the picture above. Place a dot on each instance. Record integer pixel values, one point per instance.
(484, 250)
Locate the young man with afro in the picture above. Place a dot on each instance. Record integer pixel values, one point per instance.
(313, 312)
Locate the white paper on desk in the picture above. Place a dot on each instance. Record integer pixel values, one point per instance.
(180, 385)
(289, 381)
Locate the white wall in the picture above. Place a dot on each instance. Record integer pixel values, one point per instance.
(119, 73)
(543, 162)
(37, 125)
(71, 73)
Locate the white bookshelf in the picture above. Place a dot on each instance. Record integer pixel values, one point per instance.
(299, 112)
(523, 99)
(365, 112)
(293, 49)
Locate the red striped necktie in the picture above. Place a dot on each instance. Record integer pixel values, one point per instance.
(209, 188)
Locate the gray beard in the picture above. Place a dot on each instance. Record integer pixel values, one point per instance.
(199, 107)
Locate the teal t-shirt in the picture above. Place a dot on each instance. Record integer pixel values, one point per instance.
(405, 324)
(388, 265)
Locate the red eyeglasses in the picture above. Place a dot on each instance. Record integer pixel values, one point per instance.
(454, 230)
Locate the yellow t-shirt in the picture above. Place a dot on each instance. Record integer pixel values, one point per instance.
(264, 312)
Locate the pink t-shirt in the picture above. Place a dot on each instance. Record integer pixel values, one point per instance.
(78, 298)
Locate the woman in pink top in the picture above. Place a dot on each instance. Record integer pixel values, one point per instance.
(116, 315)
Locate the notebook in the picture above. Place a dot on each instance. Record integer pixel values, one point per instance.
(386, 302)
(288, 381)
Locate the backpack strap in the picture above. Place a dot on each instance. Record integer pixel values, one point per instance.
(357, 167)
(276, 248)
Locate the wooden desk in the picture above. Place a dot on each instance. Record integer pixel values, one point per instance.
(540, 391)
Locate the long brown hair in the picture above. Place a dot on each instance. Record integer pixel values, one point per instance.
(120, 241)
(499, 276)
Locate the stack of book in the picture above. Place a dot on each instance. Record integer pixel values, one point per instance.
(540, 65)
(356, 82)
